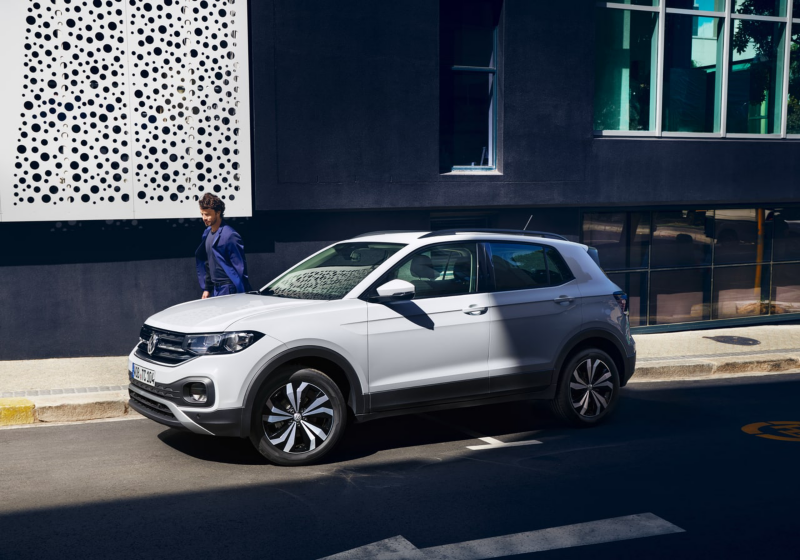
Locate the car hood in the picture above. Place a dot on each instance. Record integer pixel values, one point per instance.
(216, 314)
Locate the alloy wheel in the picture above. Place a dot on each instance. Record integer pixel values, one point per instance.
(297, 420)
(591, 388)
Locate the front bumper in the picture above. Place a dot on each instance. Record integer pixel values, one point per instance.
(220, 422)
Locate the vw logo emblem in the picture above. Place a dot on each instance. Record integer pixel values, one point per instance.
(152, 343)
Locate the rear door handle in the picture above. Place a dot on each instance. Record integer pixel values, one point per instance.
(564, 299)
(474, 310)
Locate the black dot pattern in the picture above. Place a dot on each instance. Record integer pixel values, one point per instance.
(131, 108)
(74, 139)
(186, 97)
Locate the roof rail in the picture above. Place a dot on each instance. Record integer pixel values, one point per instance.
(489, 230)
(387, 232)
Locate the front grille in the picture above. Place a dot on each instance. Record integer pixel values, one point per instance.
(169, 349)
(153, 407)
(160, 390)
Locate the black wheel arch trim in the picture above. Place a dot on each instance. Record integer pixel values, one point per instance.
(355, 400)
(586, 335)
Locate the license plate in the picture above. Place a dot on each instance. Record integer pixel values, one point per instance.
(144, 375)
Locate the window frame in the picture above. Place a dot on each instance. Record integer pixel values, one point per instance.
(494, 143)
(544, 246)
(729, 16)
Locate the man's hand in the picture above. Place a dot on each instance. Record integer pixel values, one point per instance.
(206, 294)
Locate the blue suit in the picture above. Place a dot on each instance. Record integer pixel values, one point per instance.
(229, 252)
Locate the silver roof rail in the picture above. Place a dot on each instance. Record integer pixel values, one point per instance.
(501, 231)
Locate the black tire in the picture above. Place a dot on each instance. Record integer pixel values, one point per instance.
(583, 399)
(285, 438)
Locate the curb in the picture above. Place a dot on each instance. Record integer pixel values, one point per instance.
(80, 407)
(16, 411)
(667, 370)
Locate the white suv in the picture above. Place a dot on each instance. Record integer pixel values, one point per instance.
(389, 323)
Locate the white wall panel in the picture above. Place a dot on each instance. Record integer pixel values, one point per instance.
(120, 109)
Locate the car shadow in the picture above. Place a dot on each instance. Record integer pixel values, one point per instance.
(364, 439)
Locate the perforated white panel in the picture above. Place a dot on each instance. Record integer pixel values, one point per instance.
(123, 108)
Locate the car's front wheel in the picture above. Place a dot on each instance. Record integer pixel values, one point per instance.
(299, 417)
(588, 388)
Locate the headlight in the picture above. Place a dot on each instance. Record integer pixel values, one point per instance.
(224, 343)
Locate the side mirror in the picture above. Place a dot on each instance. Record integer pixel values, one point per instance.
(395, 290)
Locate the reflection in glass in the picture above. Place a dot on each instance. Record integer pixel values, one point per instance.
(793, 115)
(786, 233)
(635, 285)
(625, 71)
(468, 133)
(760, 7)
(740, 291)
(740, 236)
(680, 296)
(756, 77)
(621, 238)
(785, 288)
(703, 5)
(681, 238)
(693, 56)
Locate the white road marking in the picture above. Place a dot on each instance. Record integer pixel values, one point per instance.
(491, 443)
(567, 536)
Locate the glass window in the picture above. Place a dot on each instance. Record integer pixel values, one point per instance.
(785, 288)
(332, 273)
(740, 236)
(635, 285)
(756, 77)
(443, 270)
(638, 2)
(625, 72)
(693, 58)
(793, 115)
(621, 238)
(681, 238)
(518, 266)
(468, 104)
(740, 291)
(760, 7)
(557, 269)
(704, 5)
(786, 233)
(680, 296)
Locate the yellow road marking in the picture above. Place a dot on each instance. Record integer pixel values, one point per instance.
(16, 411)
(778, 430)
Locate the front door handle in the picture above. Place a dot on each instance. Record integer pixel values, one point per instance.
(475, 310)
(564, 299)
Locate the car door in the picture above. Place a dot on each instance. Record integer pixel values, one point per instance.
(433, 348)
(535, 309)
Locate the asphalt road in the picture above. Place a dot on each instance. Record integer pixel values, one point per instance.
(133, 488)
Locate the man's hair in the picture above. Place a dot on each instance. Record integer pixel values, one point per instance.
(212, 202)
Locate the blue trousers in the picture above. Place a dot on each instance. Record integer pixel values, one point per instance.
(224, 290)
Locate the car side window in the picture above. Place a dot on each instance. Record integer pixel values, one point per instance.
(557, 267)
(518, 266)
(441, 270)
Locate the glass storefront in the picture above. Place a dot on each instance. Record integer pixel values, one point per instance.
(684, 266)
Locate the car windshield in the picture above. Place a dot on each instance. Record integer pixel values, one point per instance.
(332, 273)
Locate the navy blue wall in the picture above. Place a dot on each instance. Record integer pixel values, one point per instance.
(345, 137)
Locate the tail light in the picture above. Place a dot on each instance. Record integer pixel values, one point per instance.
(622, 300)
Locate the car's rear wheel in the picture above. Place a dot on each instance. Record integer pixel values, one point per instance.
(298, 418)
(588, 388)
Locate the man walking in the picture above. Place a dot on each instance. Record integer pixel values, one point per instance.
(221, 265)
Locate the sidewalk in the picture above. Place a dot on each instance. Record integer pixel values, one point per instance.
(76, 389)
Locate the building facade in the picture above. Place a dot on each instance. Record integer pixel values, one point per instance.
(662, 132)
